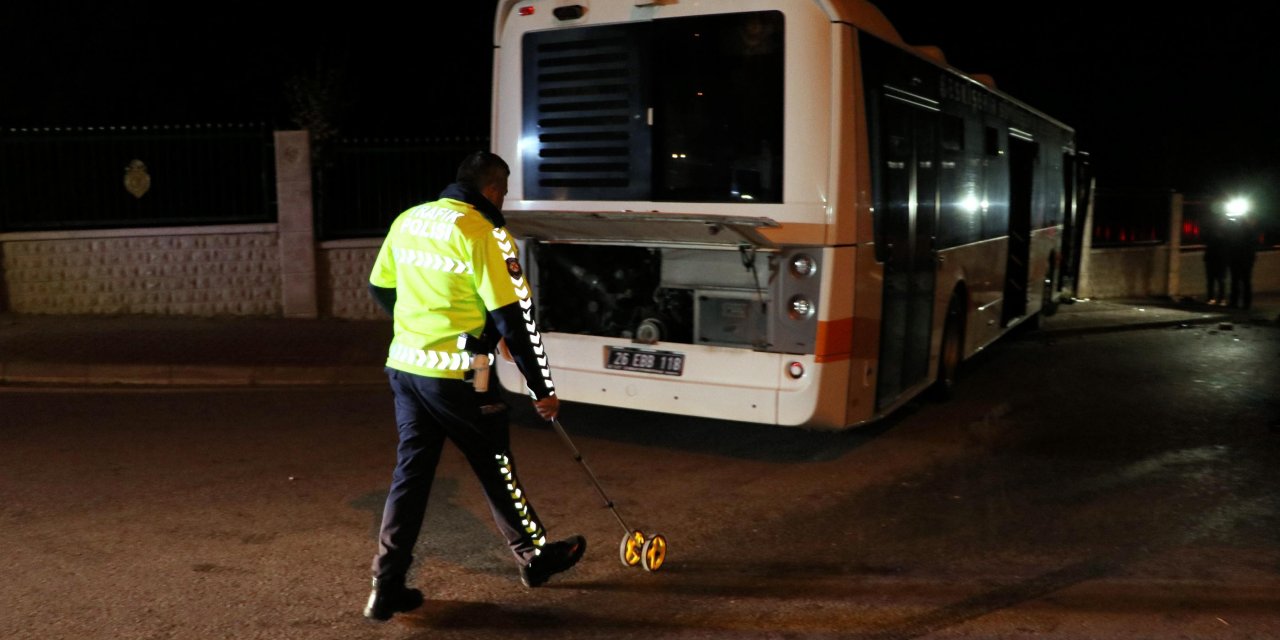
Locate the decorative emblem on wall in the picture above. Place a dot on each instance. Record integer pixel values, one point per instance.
(136, 179)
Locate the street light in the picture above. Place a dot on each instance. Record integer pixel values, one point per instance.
(1237, 207)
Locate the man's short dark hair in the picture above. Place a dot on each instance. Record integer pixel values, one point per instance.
(482, 169)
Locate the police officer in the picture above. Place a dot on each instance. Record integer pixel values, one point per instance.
(446, 270)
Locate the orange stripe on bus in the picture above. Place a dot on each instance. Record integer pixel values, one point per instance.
(835, 340)
(845, 339)
(837, 357)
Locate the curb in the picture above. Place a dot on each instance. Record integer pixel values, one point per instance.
(26, 372)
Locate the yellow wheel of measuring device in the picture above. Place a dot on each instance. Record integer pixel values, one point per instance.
(631, 548)
(654, 552)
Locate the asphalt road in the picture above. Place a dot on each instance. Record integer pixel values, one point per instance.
(1107, 485)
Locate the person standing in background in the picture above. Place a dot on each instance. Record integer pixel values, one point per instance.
(1215, 261)
(1242, 250)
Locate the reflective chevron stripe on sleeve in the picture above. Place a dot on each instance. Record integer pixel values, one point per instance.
(507, 245)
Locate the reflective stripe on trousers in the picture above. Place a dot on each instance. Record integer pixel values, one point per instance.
(429, 411)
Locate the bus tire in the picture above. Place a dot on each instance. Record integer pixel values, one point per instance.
(1049, 301)
(950, 352)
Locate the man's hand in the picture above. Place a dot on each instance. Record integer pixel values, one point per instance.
(547, 407)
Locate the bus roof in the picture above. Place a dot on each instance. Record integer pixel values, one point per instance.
(859, 13)
(862, 15)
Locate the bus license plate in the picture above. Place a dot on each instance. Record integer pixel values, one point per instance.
(667, 363)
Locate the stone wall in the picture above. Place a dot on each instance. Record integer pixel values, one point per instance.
(344, 272)
(1145, 271)
(245, 270)
(1266, 273)
(230, 270)
(1126, 272)
(182, 271)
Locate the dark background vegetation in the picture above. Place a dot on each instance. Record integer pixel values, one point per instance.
(1161, 98)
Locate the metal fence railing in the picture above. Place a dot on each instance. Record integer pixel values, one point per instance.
(1140, 217)
(1130, 217)
(1200, 214)
(115, 177)
(1196, 215)
(363, 184)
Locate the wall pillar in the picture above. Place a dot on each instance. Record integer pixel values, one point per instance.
(1175, 245)
(298, 277)
(1084, 286)
(4, 280)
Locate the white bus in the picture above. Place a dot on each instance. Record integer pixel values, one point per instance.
(770, 211)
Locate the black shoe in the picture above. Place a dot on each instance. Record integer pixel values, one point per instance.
(390, 597)
(555, 557)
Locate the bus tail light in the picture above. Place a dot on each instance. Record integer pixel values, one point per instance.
(800, 308)
(795, 370)
(527, 11)
(802, 266)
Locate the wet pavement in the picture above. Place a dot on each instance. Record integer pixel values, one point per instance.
(1024, 508)
(1093, 315)
(1084, 483)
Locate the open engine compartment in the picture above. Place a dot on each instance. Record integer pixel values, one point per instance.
(651, 294)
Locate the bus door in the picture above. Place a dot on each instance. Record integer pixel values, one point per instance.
(909, 189)
(1073, 234)
(1022, 155)
(1066, 259)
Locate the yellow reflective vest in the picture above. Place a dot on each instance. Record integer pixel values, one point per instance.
(449, 266)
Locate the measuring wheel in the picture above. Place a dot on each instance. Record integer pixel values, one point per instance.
(654, 552)
(632, 548)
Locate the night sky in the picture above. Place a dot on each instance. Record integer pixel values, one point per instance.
(1174, 100)
(390, 71)
(1161, 97)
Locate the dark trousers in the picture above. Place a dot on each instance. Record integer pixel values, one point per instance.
(428, 411)
(1216, 277)
(1242, 284)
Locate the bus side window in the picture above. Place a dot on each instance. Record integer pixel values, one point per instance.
(957, 218)
(995, 199)
(952, 139)
(991, 141)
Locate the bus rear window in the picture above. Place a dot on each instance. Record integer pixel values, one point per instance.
(681, 109)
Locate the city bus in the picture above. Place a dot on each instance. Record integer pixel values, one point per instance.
(769, 211)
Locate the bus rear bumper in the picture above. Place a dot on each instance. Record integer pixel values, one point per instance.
(716, 382)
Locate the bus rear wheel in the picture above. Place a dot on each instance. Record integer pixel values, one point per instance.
(951, 352)
(1049, 301)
